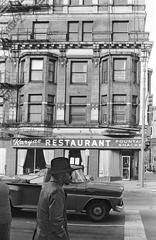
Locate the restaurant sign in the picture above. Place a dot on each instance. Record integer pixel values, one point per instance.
(76, 143)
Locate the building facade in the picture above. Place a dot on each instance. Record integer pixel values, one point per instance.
(73, 80)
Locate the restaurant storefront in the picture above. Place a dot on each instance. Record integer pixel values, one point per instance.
(102, 158)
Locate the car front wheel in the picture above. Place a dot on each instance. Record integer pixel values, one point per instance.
(97, 211)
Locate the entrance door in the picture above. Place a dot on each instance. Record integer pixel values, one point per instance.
(126, 167)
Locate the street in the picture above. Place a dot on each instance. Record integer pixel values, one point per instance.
(136, 222)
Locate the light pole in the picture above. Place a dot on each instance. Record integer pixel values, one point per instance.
(143, 122)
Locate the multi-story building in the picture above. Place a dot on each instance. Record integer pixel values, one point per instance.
(73, 80)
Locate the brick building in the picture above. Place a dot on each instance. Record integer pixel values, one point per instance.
(73, 76)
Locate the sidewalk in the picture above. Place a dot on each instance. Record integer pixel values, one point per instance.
(135, 185)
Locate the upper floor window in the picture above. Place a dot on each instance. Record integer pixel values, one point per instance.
(40, 30)
(1, 109)
(87, 31)
(2, 72)
(36, 71)
(105, 71)
(119, 69)
(120, 31)
(73, 30)
(135, 70)
(35, 108)
(79, 72)
(120, 2)
(87, 2)
(74, 2)
(22, 71)
(119, 109)
(80, 31)
(104, 109)
(51, 71)
(12, 111)
(80, 2)
(77, 111)
(51, 109)
(134, 109)
(21, 108)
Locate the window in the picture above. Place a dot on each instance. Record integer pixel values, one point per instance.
(74, 2)
(87, 31)
(104, 109)
(103, 2)
(105, 71)
(51, 71)
(80, 31)
(22, 72)
(87, 2)
(34, 161)
(120, 2)
(51, 108)
(119, 109)
(80, 2)
(77, 111)
(34, 108)
(134, 109)
(73, 31)
(79, 72)
(21, 108)
(40, 30)
(119, 69)
(2, 72)
(1, 109)
(12, 111)
(134, 70)
(120, 31)
(36, 70)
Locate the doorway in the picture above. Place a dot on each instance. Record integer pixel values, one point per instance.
(126, 167)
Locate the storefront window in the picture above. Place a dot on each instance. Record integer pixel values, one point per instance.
(30, 161)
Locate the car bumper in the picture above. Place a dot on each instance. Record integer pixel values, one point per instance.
(119, 208)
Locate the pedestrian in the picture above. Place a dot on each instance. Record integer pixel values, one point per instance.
(5, 211)
(51, 212)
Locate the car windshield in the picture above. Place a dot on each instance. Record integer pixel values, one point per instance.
(78, 176)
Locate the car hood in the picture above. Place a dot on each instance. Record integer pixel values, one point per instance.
(105, 188)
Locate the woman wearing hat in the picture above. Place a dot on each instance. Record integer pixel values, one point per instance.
(51, 215)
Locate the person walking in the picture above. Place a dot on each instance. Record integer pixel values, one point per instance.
(5, 211)
(51, 211)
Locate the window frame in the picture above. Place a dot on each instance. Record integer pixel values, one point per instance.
(51, 109)
(122, 78)
(34, 103)
(104, 109)
(120, 3)
(23, 71)
(121, 33)
(105, 66)
(122, 105)
(2, 110)
(83, 73)
(52, 72)
(36, 70)
(2, 72)
(81, 106)
(36, 34)
(80, 31)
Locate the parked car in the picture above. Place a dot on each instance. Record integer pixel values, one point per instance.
(96, 199)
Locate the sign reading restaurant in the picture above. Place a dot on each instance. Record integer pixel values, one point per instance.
(76, 143)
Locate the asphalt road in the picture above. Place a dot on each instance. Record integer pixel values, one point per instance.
(136, 222)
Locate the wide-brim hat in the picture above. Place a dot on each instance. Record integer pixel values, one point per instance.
(61, 165)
